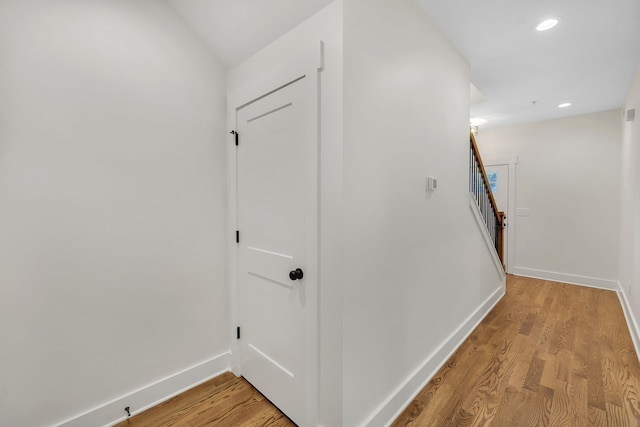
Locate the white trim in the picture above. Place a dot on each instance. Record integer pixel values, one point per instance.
(473, 204)
(592, 282)
(232, 247)
(632, 323)
(402, 396)
(151, 395)
(308, 63)
(511, 206)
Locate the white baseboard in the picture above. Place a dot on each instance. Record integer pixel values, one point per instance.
(632, 323)
(592, 282)
(473, 204)
(402, 396)
(151, 395)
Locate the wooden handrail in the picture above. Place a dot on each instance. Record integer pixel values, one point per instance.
(484, 173)
(492, 200)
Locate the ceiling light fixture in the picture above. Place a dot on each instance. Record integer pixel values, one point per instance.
(477, 121)
(547, 24)
(564, 105)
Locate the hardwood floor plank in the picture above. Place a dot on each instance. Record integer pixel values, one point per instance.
(532, 381)
(578, 392)
(564, 361)
(597, 416)
(548, 354)
(595, 389)
(526, 327)
(562, 413)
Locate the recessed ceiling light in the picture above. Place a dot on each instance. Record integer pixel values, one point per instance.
(477, 121)
(564, 105)
(547, 24)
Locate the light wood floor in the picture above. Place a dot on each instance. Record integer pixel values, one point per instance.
(548, 354)
(223, 401)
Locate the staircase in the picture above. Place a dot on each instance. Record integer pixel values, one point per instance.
(481, 190)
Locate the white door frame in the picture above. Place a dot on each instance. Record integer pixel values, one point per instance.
(308, 63)
(511, 208)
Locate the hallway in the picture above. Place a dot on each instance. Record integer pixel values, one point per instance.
(548, 354)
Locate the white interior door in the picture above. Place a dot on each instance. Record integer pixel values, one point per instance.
(498, 176)
(276, 180)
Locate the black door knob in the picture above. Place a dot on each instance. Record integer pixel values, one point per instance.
(296, 274)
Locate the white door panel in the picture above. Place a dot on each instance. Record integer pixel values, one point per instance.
(277, 136)
(271, 265)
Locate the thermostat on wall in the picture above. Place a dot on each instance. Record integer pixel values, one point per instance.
(432, 183)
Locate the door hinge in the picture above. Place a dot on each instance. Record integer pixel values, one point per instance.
(238, 332)
(237, 236)
(233, 132)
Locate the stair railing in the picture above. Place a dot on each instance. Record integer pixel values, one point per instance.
(480, 188)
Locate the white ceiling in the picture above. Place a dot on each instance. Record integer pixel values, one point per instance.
(589, 59)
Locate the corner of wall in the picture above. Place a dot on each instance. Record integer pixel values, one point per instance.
(151, 395)
(629, 266)
(632, 322)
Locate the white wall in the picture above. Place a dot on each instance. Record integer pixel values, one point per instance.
(568, 175)
(112, 204)
(630, 208)
(415, 266)
(326, 26)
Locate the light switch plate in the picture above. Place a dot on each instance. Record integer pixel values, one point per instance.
(432, 183)
(523, 212)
